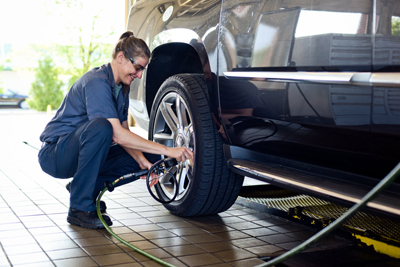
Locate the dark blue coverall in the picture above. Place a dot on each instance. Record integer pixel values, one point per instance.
(77, 142)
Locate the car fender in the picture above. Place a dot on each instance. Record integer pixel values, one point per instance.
(158, 24)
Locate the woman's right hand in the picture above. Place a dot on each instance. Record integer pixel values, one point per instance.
(181, 154)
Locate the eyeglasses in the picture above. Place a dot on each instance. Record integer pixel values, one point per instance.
(138, 67)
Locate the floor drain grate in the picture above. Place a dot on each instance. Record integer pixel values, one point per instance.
(294, 204)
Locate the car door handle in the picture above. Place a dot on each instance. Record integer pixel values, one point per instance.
(386, 79)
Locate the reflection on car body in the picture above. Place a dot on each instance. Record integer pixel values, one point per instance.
(304, 95)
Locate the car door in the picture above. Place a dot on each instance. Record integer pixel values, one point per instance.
(289, 75)
(386, 93)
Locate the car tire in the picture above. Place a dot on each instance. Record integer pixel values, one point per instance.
(206, 186)
(22, 104)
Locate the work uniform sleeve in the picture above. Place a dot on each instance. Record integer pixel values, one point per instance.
(99, 100)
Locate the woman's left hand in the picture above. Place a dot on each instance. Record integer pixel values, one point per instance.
(145, 164)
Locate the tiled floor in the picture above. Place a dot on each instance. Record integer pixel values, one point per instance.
(34, 230)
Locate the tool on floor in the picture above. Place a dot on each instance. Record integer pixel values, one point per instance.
(389, 178)
(159, 180)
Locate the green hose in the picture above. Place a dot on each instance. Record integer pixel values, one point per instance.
(122, 240)
(392, 175)
(114, 234)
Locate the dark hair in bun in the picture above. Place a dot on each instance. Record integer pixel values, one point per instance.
(128, 43)
(126, 35)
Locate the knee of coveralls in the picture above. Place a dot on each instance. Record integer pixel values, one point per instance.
(94, 143)
(46, 158)
(59, 158)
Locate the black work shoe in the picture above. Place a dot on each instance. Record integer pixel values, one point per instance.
(103, 206)
(87, 219)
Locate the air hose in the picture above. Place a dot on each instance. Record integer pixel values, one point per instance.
(121, 239)
(389, 178)
(110, 187)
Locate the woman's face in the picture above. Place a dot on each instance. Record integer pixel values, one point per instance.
(129, 70)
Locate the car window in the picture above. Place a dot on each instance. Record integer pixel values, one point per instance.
(274, 38)
(395, 26)
(328, 37)
(281, 39)
(387, 40)
(330, 22)
(293, 33)
(8, 92)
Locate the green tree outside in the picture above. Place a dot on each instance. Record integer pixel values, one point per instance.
(46, 89)
(396, 26)
(82, 58)
(88, 49)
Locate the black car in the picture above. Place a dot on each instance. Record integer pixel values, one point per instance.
(10, 98)
(304, 95)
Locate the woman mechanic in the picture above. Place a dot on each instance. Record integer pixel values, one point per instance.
(89, 138)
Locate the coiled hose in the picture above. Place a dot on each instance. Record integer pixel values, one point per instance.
(389, 178)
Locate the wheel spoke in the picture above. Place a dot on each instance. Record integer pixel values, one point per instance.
(179, 171)
(169, 116)
(181, 179)
(163, 138)
(189, 131)
(181, 112)
(190, 173)
(164, 179)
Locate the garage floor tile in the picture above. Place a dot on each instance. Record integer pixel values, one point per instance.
(34, 230)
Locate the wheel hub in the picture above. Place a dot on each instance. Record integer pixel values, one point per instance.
(179, 141)
(174, 115)
(182, 138)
